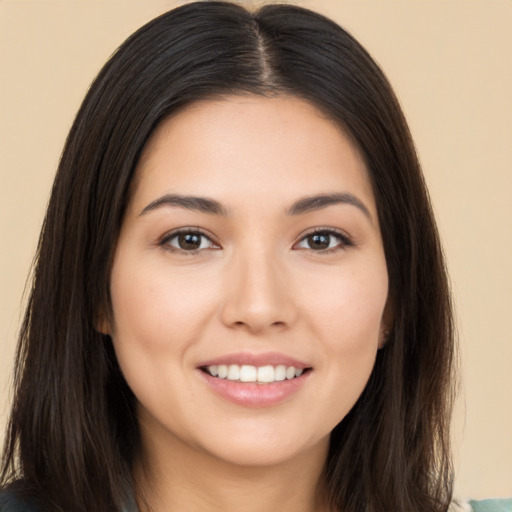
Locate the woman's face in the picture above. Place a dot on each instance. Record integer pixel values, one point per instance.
(250, 247)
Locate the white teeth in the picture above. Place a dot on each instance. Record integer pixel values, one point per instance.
(233, 372)
(247, 373)
(280, 372)
(266, 374)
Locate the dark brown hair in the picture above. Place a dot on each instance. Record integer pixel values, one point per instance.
(73, 432)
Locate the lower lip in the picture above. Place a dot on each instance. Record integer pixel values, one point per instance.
(250, 394)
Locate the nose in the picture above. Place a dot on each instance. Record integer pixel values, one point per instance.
(258, 294)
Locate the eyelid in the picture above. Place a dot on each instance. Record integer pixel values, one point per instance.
(163, 241)
(345, 239)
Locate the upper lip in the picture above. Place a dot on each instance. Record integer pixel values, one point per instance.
(256, 359)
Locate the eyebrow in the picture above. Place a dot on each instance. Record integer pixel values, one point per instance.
(201, 204)
(213, 207)
(320, 201)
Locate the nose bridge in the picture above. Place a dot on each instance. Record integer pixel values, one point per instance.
(257, 295)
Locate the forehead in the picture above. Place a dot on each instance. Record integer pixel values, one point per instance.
(250, 145)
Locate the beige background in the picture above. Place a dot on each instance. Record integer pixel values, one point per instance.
(451, 64)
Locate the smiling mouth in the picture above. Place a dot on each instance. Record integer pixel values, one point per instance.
(267, 374)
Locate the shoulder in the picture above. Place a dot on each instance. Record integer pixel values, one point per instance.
(494, 505)
(459, 506)
(489, 505)
(9, 503)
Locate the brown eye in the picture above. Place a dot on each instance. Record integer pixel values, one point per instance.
(188, 241)
(324, 241)
(319, 241)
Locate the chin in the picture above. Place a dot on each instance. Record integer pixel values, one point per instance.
(267, 448)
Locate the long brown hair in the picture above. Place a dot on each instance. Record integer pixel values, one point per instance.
(73, 433)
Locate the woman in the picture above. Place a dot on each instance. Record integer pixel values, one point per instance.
(240, 298)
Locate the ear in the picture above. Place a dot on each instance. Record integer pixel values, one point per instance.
(383, 337)
(102, 324)
(386, 325)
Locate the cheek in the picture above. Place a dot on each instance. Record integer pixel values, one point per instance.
(158, 307)
(347, 320)
(159, 313)
(347, 307)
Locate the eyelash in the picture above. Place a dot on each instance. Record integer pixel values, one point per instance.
(167, 238)
(343, 240)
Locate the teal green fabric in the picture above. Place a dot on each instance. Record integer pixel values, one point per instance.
(9, 503)
(498, 505)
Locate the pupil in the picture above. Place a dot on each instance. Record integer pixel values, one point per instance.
(319, 241)
(189, 241)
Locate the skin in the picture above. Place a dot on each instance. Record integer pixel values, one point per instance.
(257, 284)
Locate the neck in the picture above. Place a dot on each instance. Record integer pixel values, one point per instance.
(188, 479)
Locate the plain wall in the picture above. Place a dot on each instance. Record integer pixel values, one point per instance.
(451, 65)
